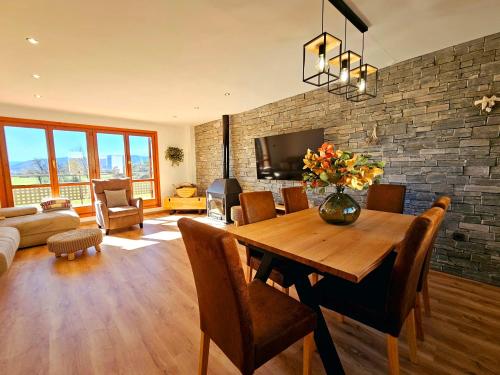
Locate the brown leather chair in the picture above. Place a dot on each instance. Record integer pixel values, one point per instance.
(423, 288)
(258, 206)
(250, 323)
(295, 199)
(116, 217)
(386, 197)
(385, 298)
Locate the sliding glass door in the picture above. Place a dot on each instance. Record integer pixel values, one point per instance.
(39, 161)
(72, 162)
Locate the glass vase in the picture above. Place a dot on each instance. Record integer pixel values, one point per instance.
(339, 208)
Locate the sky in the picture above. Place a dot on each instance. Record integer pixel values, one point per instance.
(30, 143)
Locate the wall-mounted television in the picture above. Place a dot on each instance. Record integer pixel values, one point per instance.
(279, 157)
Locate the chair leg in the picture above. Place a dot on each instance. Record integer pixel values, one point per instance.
(392, 355)
(418, 318)
(411, 336)
(204, 349)
(314, 277)
(249, 274)
(427, 301)
(308, 352)
(141, 225)
(286, 291)
(107, 232)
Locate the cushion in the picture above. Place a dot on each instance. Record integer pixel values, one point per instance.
(53, 204)
(17, 211)
(122, 211)
(274, 330)
(43, 222)
(9, 241)
(116, 198)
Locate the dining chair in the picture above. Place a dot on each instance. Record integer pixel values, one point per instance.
(295, 199)
(385, 298)
(258, 206)
(386, 197)
(250, 323)
(423, 287)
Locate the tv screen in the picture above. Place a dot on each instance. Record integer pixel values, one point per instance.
(279, 157)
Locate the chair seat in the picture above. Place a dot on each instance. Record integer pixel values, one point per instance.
(278, 320)
(365, 301)
(122, 211)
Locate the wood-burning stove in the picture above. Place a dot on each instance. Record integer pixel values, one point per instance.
(224, 192)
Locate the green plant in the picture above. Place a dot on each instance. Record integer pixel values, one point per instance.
(175, 155)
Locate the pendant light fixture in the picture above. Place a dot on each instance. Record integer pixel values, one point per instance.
(341, 66)
(339, 72)
(316, 55)
(365, 77)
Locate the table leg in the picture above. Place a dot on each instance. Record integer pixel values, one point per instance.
(322, 337)
(265, 268)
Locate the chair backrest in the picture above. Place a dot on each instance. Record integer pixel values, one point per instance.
(295, 199)
(411, 253)
(257, 206)
(386, 197)
(222, 291)
(442, 202)
(112, 184)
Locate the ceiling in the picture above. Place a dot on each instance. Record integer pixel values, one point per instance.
(171, 61)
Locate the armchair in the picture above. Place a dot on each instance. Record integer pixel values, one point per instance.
(116, 217)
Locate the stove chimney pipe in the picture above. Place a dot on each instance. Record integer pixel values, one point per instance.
(225, 143)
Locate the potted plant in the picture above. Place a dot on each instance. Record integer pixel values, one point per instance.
(342, 169)
(175, 155)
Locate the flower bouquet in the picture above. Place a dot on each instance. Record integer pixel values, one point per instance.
(343, 169)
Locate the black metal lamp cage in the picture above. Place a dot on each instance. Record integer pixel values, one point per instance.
(316, 55)
(365, 77)
(341, 67)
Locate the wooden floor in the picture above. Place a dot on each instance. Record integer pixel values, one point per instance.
(132, 309)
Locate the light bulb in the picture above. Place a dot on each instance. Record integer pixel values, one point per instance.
(321, 63)
(344, 75)
(362, 85)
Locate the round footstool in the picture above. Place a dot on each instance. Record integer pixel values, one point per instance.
(74, 240)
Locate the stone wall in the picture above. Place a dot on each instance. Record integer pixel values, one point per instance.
(432, 137)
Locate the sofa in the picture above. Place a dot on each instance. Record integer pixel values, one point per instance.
(36, 227)
(9, 242)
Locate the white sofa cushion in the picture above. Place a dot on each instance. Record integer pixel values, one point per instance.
(9, 242)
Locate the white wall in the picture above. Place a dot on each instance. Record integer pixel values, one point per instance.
(168, 135)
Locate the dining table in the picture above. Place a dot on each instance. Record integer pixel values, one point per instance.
(347, 251)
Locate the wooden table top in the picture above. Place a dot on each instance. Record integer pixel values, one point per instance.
(350, 251)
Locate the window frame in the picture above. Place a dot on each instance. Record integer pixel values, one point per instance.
(91, 131)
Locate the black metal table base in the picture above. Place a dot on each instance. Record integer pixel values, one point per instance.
(322, 337)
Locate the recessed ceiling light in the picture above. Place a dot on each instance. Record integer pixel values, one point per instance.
(196, 107)
(38, 96)
(36, 76)
(227, 94)
(32, 40)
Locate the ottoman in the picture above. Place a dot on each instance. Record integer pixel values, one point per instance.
(74, 240)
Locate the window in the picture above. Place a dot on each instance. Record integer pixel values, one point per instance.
(141, 160)
(29, 166)
(111, 151)
(73, 174)
(59, 160)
